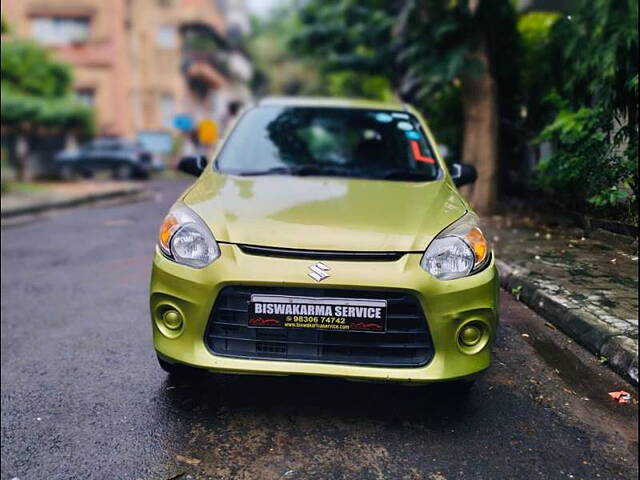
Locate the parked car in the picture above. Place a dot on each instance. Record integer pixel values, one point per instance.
(326, 238)
(124, 159)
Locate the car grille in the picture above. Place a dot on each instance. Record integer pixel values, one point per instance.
(406, 343)
(321, 254)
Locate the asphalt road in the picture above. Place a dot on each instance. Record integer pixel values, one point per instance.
(83, 397)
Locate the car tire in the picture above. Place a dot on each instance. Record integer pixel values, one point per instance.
(123, 172)
(143, 175)
(175, 369)
(67, 173)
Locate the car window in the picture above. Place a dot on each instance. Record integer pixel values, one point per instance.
(106, 144)
(342, 141)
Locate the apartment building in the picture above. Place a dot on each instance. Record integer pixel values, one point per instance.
(141, 62)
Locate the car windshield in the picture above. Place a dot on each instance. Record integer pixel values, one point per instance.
(112, 144)
(343, 142)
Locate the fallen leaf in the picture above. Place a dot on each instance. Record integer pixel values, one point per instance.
(177, 476)
(189, 460)
(621, 396)
(549, 325)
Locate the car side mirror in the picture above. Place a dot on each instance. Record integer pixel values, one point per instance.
(463, 174)
(192, 164)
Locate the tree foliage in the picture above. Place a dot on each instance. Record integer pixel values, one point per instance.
(423, 48)
(277, 71)
(539, 63)
(568, 79)
(36, 90)
(595, 130)
(435, 41)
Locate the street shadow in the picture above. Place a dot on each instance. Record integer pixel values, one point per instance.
(206, 395)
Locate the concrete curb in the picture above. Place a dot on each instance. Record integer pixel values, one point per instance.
(72, 202)
(586, 329)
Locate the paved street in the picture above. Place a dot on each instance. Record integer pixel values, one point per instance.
(83, 397)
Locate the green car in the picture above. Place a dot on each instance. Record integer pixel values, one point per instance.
(325, 237)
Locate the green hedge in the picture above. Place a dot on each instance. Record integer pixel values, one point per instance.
(36, 91)
(28, 111)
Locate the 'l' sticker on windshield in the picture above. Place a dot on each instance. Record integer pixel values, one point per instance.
(417, 154)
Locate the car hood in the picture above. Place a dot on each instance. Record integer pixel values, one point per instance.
(320, 213)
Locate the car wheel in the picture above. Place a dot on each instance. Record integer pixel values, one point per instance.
(143, 175)
(175, 369)
(123, 172)
(67, 172)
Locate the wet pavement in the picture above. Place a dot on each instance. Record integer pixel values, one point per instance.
(83, 397)
(34, 195)
(595, 274)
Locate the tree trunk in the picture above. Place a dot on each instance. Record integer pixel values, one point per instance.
(480, 140)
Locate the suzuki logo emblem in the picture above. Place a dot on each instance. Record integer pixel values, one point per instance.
(319, 271)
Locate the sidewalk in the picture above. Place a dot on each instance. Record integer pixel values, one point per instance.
(37, 197)
(586, 284)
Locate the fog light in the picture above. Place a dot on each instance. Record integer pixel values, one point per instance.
(172, 319)
(470, 335)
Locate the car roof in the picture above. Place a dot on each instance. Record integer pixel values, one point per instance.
(330, 102)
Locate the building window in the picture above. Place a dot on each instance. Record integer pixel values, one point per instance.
(86, 96)
(60, 30)
(167, 36)
(167, 110)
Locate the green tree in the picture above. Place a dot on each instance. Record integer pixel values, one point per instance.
(278, 71)
(539, 63)
(595, 129)
(36, 95)
(36, 90)
(428, 49)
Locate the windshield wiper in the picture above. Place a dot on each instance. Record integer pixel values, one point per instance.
(330, 170)
(402, 174)
(301, 170)
(338, 171)
(267, 171)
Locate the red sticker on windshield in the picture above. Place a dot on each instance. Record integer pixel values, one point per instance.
(417, 154)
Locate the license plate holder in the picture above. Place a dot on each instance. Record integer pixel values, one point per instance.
(318, 313)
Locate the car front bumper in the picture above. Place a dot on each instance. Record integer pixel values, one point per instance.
(447, 306)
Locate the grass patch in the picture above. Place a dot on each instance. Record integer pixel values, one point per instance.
(23, 187)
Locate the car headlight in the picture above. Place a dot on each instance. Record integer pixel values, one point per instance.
(458, 251)
(185, 238)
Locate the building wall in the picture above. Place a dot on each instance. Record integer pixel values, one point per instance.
(158, 87)
(129, 60)
(100, 63)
